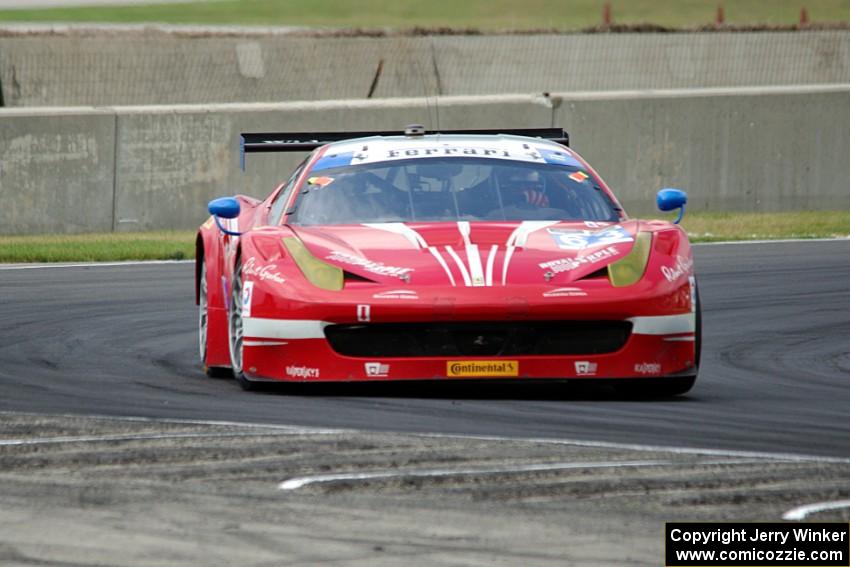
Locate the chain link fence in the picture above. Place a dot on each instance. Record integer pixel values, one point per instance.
(158, 66)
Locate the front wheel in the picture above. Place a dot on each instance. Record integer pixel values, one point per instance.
(698, 329)
(235, 329)
(203, 328)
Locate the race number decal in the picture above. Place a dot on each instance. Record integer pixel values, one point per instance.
(567, 239)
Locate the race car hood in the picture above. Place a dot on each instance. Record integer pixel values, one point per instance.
(471, 253)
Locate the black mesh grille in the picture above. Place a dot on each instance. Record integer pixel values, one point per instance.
(479, 339)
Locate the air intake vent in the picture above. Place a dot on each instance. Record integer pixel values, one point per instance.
(600, 273)
(349, 277)
(479, 339)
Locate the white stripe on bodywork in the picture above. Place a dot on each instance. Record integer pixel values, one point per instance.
(440, 260)
(460, 265)
(263, 343)
(400, 228)
(416, 240)
(506, 262)
(518, 238)
(521, 233)
(463, 227)
(283, 328)
(476, 270)
(491, 258)
(664, 324)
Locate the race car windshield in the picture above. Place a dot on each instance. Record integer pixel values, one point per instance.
(450, 189)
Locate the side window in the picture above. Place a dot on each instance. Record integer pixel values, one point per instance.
(283, 196)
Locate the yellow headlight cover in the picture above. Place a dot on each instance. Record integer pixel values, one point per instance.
(629, 269)
(318, 273)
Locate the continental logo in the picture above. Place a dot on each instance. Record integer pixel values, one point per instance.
(482, 368)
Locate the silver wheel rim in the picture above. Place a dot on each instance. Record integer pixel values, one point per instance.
(235, 321)
(202, 315)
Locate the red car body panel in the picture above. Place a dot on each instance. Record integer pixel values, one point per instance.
(446, 273)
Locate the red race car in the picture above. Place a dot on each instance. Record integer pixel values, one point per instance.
(458, 255)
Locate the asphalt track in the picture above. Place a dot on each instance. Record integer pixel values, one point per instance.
(121, 341)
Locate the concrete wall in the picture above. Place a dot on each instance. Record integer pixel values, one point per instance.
(142, 168)
(156, 66)
(731, 149)
(56, 171)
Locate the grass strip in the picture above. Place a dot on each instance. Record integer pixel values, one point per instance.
(180, 245)
(108, 247)
(481, 14)
(717, 227)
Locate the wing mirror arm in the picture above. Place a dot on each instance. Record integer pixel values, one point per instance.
(225, 208)
(224, 230)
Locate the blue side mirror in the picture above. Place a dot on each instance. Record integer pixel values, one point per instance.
(224, 208)
(670, 199)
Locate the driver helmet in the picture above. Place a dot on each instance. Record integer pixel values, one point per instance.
(523, 186)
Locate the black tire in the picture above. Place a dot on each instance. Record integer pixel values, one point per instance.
(234, 328)
(697, 331)
(203, 321)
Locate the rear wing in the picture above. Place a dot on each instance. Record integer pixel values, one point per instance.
(309, 141)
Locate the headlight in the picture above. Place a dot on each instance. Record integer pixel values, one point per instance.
(629, 269)
(318, 273)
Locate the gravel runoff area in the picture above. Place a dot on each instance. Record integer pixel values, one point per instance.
(103, 491)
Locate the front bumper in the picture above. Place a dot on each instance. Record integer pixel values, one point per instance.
(298, 350)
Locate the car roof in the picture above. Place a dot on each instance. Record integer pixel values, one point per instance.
(498, 140)
(375, 149)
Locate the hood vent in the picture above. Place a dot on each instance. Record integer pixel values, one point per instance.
(600, 273)
(349, 277)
